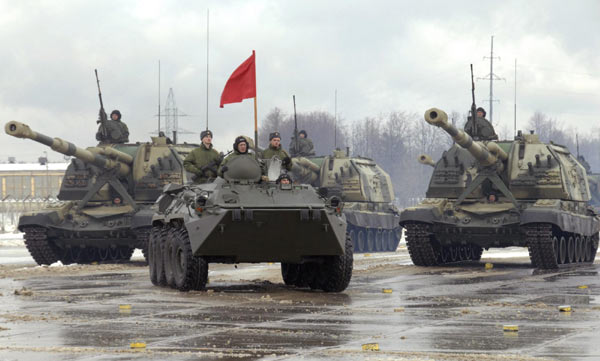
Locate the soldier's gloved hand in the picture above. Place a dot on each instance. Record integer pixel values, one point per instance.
(224, 169)
(286, 161)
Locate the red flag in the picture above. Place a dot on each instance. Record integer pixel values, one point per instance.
(241, 84)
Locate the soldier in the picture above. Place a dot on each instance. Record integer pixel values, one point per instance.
(284, 179)
(275, 149)
(240, 148)
(481, 128)
(204, 160)
(114, 132)
(305, 145)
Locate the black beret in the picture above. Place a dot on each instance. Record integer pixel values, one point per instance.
(303, 132)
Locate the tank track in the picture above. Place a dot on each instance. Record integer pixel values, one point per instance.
(372, 240)
(39, 246)
(545, 251)
(142, 235)
(424, 250)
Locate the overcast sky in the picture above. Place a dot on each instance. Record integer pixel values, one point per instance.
(381, 56)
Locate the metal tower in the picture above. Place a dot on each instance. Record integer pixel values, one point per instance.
(491, 77)
(171, 115)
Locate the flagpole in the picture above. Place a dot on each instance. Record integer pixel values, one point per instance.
(255, 111)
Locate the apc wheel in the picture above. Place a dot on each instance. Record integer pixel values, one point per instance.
(571, 246)
(361, 241)
(445, 254)
(370, 240)
(187, 274)
(168, 257)
(152, 254)
(454, 253)
(160, 248)
(290, 273)
(562, 251)
(336, 271)
(307, 276)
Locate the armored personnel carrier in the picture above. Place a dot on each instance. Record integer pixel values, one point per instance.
(366, 191)
(240, 218)
(500, 194)
(593, 180)
(103, 209)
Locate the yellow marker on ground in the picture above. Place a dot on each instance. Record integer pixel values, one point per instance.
(370, 347)
(137, 345)
(565, 308)
(582, 287)
(124, 307)
(399, 309)
(489, 266)
(386, 290)
(510, 328)
(367, 255)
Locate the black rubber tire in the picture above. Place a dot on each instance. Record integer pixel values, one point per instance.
(152, 245)
(159, 252)
(308, 273)
(168, 257)
(335, 272)
(290, 273)
(186, 267)
(587, 248)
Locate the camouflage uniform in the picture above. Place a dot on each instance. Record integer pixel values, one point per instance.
(116, 132)
(279, 152)
(481, 129)
(305, 147)
(202, 157)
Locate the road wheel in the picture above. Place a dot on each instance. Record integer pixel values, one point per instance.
(476, 252)
(562, 250)
(185, 265)
(290, 273)
(104, 254)
(125, 253)
(362, 242)
(379, 241)
(587, 248)
(352, 234)
(370, 240)
(336, 271)
(445, 254)
(571, 246)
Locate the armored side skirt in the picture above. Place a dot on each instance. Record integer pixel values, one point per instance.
(267, 235)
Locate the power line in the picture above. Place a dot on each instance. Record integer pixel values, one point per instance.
(491, 77)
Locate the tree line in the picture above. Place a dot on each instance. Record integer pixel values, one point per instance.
(395, 140)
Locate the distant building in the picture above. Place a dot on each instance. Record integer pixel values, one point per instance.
(31, 180)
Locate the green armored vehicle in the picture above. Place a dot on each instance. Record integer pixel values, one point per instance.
(238, 218)
(485, 194)
(366, 191)
(103, 209)
(593, 180)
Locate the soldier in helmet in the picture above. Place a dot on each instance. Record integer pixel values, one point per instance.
(480, 128)
(240, 149)
(305, 146)
(203, 161)
(275, 149)
(114, 131)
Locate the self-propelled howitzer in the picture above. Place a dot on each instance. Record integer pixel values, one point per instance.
(500, 194)
(104, 205)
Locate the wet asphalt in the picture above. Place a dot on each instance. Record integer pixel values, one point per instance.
(97, 312)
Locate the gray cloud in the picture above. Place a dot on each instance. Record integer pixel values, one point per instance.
(381, 56)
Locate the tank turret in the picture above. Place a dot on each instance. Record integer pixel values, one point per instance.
(102, 157)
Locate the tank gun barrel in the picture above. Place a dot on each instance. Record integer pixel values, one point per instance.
(480, 151)
(100, 157)
(426, 160)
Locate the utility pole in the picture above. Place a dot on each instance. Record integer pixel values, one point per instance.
(491, 77)
(335, 123)
(515, 127)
